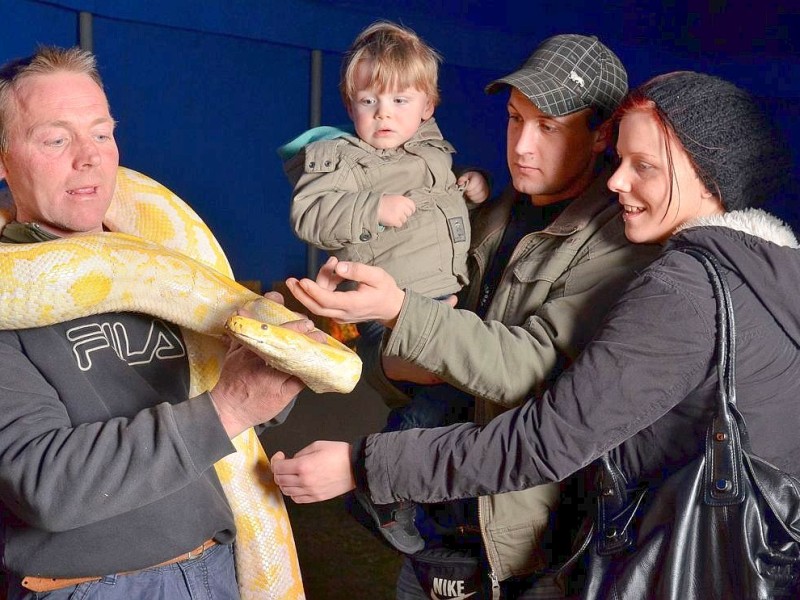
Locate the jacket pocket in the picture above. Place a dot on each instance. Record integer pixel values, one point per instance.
(453, 229)
(515, 526)
(413, 252)
(459, 232)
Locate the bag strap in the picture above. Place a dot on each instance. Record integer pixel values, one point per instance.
(726, 437)
(724, 466)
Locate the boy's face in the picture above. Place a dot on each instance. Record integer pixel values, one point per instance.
(386, 119)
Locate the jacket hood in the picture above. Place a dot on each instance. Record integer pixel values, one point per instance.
(762, 250)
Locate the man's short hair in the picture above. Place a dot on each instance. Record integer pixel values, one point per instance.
(46, 59)
(399, 57)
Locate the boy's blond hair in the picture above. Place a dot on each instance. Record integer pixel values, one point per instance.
(400, 60)
(46, 59)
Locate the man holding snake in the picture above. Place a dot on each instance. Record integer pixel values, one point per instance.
(106, 478)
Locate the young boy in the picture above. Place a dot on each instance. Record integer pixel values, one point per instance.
(388, 197)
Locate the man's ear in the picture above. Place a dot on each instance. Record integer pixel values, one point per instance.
(602, 137)
(7, 209)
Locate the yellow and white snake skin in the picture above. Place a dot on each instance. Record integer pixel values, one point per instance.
(181, 274)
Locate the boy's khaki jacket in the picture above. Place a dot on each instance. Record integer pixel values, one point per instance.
(335, 207)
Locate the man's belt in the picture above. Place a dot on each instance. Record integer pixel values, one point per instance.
(48, 584)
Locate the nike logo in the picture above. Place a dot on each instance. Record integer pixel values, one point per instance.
(434, 596)
(450, 590)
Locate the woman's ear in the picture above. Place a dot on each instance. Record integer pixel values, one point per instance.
(712, 203)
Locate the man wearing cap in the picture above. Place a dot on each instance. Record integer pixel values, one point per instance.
(548, 258)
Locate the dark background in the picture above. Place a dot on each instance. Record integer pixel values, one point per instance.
(205, 90)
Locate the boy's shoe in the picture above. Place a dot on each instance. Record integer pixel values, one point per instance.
(394, 523)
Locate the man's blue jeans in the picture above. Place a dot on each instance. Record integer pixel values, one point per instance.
(209, 576)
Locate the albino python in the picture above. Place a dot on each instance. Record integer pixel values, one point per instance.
(181, 274)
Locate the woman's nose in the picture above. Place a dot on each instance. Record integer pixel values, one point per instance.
(618, 182)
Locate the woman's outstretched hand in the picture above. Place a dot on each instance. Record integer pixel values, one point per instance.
(376, 297)
(320, 471)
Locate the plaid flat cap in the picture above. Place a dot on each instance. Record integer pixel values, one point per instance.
(568, 73)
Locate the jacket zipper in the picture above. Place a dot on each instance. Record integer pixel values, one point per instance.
(492, 575)
(495, 586)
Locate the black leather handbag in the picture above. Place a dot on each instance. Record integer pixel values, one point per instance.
(726, 526)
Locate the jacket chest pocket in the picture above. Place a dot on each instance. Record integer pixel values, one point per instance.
(534, 267)
(532, 280)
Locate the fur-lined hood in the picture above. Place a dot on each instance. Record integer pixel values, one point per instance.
(751, 220)
(762, 250)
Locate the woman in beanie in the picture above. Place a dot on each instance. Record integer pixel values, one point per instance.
(695, 156)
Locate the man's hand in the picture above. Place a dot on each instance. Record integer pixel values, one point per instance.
(320, 471)
(249, 391)
(474, 186)
(376, 297)
(394, 210)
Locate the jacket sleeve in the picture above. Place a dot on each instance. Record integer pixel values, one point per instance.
(328, 209)
(58, 476)
(459, 170)
(655, 349)
(370, 351)
(504, 364)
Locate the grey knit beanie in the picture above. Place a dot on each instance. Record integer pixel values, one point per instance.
(738, 154)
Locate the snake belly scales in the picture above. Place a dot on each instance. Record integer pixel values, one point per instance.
(159, 258)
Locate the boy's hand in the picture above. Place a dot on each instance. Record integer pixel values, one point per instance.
(394, 210)
(474, 186)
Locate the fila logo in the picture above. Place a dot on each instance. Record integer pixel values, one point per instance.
(449, 589)
(162, 343)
